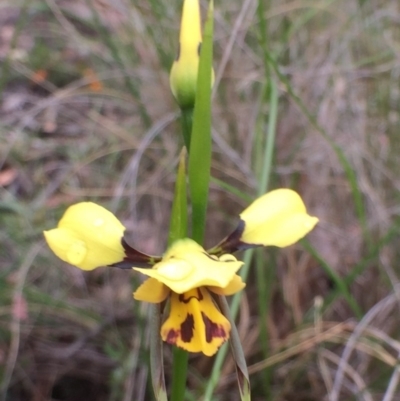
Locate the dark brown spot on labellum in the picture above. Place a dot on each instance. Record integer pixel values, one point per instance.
(212, 329)
(187, 328)
(172, 336)
(199, 297)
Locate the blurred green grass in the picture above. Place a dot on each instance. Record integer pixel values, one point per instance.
(86, 113)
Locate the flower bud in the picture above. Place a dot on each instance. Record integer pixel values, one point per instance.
(183, 76)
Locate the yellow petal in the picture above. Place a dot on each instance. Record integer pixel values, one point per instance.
(277, 218)
(151, 291)
(234, 286)
(186, 265)
(195, 324)
(87, 236)
(190, 34)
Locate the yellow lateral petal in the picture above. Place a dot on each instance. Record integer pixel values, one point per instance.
(66, 245)
(87, 236)
(282, 233)
(277, 218)
(234, 286)
(151, 291)
(195, 324)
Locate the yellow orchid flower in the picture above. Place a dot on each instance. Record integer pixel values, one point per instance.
(87, 236)
(188, 274)
(278, 218)
(183, 76)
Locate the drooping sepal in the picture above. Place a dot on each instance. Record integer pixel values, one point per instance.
(156, 354)
(242, 374)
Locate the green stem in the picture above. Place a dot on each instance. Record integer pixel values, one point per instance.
(262, 23)
(179, 374)
(187, 124)
(196, 128)
(270, 145)
(178, 230)
(263, 270)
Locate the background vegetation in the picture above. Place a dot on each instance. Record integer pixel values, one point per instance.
(86, 114)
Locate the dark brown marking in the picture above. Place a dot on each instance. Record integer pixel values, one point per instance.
(232, 242)
(187, 300)
(199, 49)
(214, 258)
(133, 257)
(187, 328)
(213, 330)
(172, 336)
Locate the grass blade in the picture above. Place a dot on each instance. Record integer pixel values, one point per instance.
(200, 144)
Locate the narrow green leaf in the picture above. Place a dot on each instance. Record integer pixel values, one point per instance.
(178, 222)
(200, 144)
(232, 190)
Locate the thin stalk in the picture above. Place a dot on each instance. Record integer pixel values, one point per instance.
(263, 271)
(178, 230)
(264, 287)
(179, 374)
(187, 125)
(269, 146)
(264, 40)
